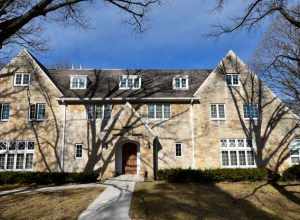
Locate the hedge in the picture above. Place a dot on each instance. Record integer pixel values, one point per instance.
(212, 175)
(43, 178)
(292, 173)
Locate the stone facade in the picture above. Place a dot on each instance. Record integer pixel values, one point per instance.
(190, 124)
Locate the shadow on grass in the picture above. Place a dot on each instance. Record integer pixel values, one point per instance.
(191, 201)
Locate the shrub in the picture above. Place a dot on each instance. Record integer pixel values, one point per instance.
(213, 175)
(43, 178)
(292, 173)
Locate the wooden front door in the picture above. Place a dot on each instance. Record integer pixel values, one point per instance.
(129, 158)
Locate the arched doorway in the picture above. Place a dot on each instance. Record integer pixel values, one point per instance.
(129, 158)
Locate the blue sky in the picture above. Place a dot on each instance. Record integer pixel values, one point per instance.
(174, 38)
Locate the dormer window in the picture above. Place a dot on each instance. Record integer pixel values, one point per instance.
(181, 82)
(22, 79)
(130, 82)
(78, 82)
(232, 79)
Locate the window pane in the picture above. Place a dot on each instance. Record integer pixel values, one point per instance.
(183, 83)
(136, 83)
(123, 82)
(241, 143)
(235, 79)
(98, 111)
(3, 145)
(151, 110)
(167, 111)
(12, 145)
(26, 78)
(130, 82)
(213, 111)
(21, 145)
(233, 158)
(107, 111)
(29, 161)
(159, 111)
(228, 79)
(178, 150)
(242, 157)
(2, 161)
(20, 161)
(4, 111)
(294, 160)
(223, 143)
(250, 158)
(177, 83)
(82, 82)
(225, 159)
(232, 143)
(10, 161)
(221, 111)
(30, 145)
(32, 112)
(78, 153)
(41, 111)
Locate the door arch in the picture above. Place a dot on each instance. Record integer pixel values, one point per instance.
(129, 158)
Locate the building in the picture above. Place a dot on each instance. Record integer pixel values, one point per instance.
(138, 121)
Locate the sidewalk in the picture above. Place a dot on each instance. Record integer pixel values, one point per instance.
(114, 202)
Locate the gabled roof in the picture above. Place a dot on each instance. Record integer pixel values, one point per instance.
(105, 83)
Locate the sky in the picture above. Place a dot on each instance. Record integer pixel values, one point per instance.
(175, 37)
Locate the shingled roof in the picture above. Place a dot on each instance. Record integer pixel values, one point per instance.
(105, 83)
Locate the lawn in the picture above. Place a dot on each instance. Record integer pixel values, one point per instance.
(63, 204)
(160, 200)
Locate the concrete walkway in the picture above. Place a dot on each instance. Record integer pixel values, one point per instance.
(114, 202)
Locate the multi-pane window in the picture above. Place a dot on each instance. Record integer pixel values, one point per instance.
(178, 149)
(4, 111)
(16, 155)
(295, 152)
(232, 79)
(237, 153)
(217, 111)
(99, 111)
(251, 111)
(130, 82)
(78, 151)
(181, 82)
(78, 82)
(37, 112)
(159, 111)
(22, 79)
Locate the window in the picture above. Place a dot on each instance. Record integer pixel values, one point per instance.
(217, 111)
(250, 111)
(22, 79)
(78, 151)
(232, 79)
(181, 82)
(237, 153)
(178, 149)
(4, 112)
(37, 112)
(295, 152)
(159, 111)
(78, 82)
(130, 82)
(99, 111)
(16, 155)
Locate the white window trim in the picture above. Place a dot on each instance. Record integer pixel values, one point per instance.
(102, 109)
(22, 80)
(133, 77)
(163, 112)
(237, 149)
(1, 110)
(232, 74)
(15, 152)
(180, 79)
(36, 110)
(75, 155)
(78, 76)
(296, 148)
(181, 144)
(218, 115)
(246, 118)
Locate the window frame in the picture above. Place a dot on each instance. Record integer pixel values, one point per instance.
(237, 149)
(218, 118)
(75, 155)
(249, 118)
(36, 109)
(181, 149)
(180, 78)
(22, 79)
(85, 77)
(297, 148)
(133, 78)
(231, 75)
(155, 112)
(1, 112)
(92, 107)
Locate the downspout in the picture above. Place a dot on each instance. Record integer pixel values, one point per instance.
(64, 140)
(192, 133)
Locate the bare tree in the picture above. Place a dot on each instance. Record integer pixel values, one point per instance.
(257, 11)
(20, 20)
(278, 59)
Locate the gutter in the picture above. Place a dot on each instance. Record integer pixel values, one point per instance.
(64, 140)
(192, 132)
